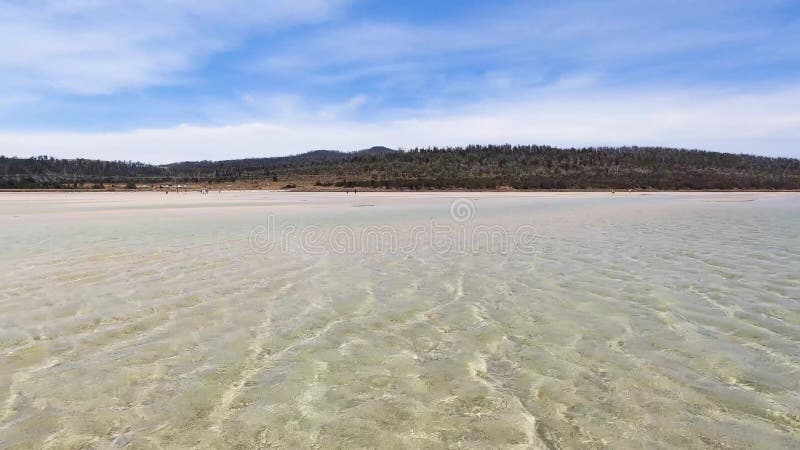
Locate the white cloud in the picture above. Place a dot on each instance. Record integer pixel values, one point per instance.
(758, 122)
(584, 31)
(280, 108)
(91, 47)
(529, 73)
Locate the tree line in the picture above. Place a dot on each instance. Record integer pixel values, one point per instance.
(471, 167)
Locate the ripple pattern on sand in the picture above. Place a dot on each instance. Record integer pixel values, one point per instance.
(664, 321)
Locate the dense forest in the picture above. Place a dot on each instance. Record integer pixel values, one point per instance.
(47, 172)
(472, 167)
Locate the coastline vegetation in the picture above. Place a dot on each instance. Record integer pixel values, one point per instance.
(476, 167)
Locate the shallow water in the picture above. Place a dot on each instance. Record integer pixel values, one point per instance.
(634, 321)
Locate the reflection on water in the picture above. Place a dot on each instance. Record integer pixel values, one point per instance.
(663, 321)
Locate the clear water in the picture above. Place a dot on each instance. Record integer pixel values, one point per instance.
(639, 321)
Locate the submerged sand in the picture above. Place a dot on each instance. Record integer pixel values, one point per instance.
(145, 320)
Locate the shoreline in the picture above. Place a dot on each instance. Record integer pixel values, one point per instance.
(342, 190)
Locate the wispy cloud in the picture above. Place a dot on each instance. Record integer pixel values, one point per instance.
(604, 35)
(256, 78)
(264, 106)
(95, 47)
(519, 49)
(759, 122)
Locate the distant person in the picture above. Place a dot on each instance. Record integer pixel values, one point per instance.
(355, 191)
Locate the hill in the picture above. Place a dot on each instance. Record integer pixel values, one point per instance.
(472, 167)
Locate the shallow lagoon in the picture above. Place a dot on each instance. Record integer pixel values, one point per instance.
(630, 321)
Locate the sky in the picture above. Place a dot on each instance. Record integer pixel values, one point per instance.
(172, 80)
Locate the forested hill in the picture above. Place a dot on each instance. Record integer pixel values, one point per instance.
(49, 172)
(473, 167)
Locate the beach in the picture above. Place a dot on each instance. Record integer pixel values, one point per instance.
(400, 319)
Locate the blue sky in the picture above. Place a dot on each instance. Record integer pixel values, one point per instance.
(160, 81)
